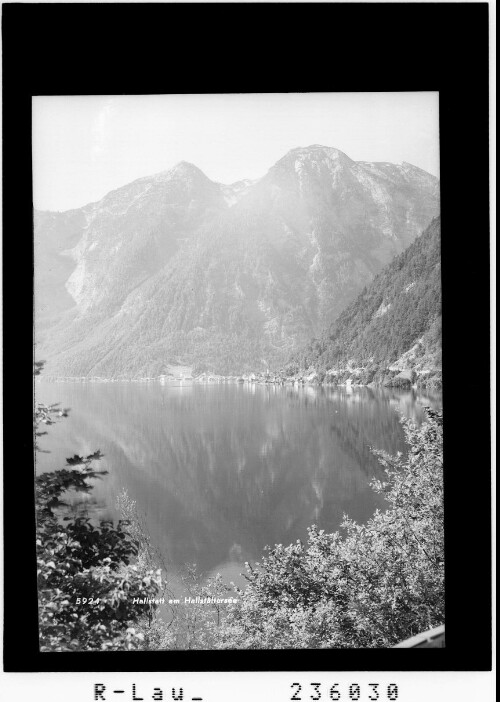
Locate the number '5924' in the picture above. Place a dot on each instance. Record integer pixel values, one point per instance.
(87, 600)
(372, 692)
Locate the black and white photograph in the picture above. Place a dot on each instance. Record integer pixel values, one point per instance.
(238, 372)
(248, 351)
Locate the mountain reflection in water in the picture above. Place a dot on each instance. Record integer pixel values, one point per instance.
(219, 471)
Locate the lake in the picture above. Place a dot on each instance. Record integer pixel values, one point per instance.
(219, 471)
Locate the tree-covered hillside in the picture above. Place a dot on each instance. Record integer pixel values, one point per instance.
(392, 331)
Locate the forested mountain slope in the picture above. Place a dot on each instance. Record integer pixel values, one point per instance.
(175, 268)
(392, 332)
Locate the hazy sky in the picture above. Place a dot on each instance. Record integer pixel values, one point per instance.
(85, 146)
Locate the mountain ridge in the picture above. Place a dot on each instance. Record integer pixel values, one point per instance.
(177, 267)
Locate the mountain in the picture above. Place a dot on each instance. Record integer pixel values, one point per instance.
(392, 332)
(175, 268)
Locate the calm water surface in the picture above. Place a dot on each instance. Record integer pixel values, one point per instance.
(219, 471)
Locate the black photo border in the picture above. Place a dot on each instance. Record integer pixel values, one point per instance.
(59, 49)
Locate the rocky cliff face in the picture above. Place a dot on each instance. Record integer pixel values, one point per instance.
(177, 268)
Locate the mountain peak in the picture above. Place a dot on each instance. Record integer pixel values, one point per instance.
(183, 171)
(318, 151)
(314, 153)
(184, 165)
(186, 168)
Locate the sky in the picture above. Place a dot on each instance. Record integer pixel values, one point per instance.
(85, 146)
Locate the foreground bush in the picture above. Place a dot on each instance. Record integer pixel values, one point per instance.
(369, 585)
(86, 579)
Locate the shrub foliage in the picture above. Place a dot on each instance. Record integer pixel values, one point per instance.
(369, 585)
(86, 578)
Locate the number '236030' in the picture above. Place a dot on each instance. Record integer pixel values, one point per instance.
(373, 693)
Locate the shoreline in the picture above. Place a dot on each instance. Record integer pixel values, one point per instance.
(205, 379)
